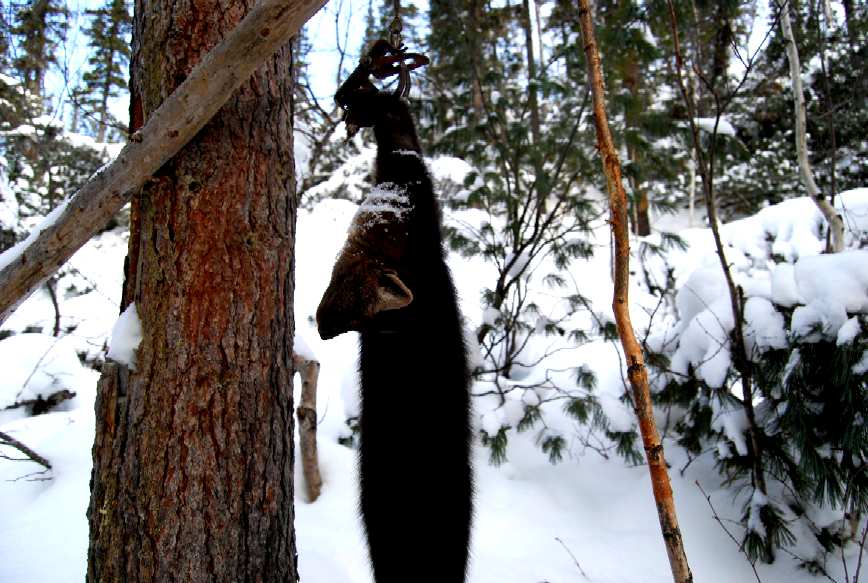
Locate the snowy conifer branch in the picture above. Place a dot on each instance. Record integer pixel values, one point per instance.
(265, 29)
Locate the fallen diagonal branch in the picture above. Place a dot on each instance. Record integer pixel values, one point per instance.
(266, 28)
(6, 439)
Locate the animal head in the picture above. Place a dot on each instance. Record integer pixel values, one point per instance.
(360, 288)
(366, 106)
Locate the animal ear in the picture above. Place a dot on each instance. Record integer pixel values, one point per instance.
(392, 294)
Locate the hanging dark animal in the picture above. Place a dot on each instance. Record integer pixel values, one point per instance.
(391, 284)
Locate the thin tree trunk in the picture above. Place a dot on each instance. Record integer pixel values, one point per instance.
(204, 90)
(193, 455)
(691, 188)
(642, 223)
(836, 224)
(539, 37)
(51, 286)
(740, 358)
(533, 101)
(636, 371)
(475, 56)
(849, 14)
(306, 413)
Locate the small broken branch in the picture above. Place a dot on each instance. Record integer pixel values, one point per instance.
(265, 29)
(306, 413)
(41, 405)
(636, 371)
(6, 439)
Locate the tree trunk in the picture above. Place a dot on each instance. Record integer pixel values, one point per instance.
(636, 371)
(475, 57)
(836, 225)
(642, 225)
(849, 18)
(192, 478)
(533, 102)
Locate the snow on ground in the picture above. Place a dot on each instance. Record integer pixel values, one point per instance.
(534, 520)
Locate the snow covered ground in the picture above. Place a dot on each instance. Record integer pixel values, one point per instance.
(584, 519)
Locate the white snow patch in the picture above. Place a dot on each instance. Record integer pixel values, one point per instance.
(13, 253)
(301, 347)
(34, 365)
(861, 367)
(384, 199)
(707, 124)
(732, 422)
(764, 327)
(491, 315)
(754, 521)
(125, 338)
(848, 331)
(785, 292)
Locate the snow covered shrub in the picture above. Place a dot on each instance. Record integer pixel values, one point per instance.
(806, 334)
(45, 164)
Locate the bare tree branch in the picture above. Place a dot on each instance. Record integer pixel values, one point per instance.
(6, 439)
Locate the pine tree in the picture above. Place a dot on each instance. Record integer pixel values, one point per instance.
(105, 77)
(148, 521)
(40, 28)
(633, 73)
(524, 131)
(5, 36)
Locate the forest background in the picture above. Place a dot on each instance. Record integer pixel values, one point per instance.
(772, 424)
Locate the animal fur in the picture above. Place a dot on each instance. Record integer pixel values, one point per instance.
(391, 284)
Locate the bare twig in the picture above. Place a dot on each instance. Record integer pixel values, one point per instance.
(727, 531)
(575, 560)
(861, 553)
(8, 440)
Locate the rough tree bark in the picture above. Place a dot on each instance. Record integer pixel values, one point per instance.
(636, 371)
(836, 224)
(183, 113)
(193, 454)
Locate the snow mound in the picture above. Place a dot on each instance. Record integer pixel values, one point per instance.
(37, 365)
(126, 336)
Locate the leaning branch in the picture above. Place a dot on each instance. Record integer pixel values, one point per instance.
(636, 371)
(836, 224)
(8, 440)
(263, 31)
